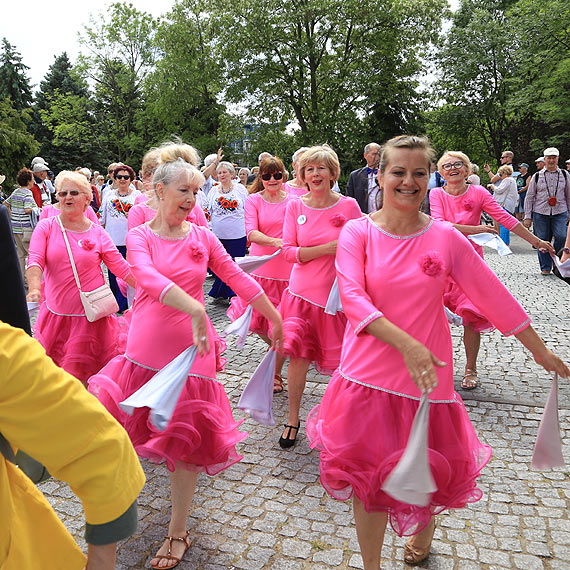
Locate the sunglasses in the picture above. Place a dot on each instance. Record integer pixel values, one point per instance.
(64, 193)
(276, 176)
(122, 177)
(450, 165)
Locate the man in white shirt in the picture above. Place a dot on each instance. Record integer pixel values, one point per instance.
(363, 182)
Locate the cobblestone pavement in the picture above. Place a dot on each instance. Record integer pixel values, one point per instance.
(269, 510)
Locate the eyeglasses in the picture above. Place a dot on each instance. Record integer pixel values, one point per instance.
(64, 193)
(122, 177)
(450, 165)
(276, 176)
(504, 157)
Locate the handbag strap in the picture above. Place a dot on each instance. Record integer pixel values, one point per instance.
(70, 254)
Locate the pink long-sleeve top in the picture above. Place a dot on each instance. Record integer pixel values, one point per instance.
(142, 213)
(306, 227)
(403, 278)
(267, 218)
(89, 248)
(159, 333)
(466, 209)
(50, 210)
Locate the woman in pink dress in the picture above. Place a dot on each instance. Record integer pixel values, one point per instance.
(169, 257)
(80, 347)
(461, 204)
(393, 267)
(264, 216)
(50, 210)
(295, 186)
(311, 229)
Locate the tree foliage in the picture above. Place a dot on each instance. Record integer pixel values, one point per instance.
(14, 82)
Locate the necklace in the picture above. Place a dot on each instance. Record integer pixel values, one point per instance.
(122, 195)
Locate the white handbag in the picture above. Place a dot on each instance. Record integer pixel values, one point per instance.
(98, 303)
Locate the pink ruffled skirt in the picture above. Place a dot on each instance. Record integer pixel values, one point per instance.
(457, 302)
(362, 432)
(202, 433)
(259, 324)
(78, 346)
(309, 333)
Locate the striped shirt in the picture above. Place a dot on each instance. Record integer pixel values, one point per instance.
(20, 200)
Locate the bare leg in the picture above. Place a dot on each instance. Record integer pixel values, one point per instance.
(417, 549)
(101, 557)
(182, 486)
(472, 342)
(297, 378)
(370, 529)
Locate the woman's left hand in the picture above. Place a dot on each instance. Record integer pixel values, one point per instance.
(200, 332)
(551, 363)
(421, 362)
(545, 246)
(277, 334)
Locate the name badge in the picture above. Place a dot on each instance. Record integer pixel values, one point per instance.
(301, 219)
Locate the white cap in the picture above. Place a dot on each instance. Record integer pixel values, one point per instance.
(551, 151)
(540, 159)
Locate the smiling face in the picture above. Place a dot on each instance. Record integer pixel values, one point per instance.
(123, 180)
(405, 178)
(243, 177)
(551, 162)
(453, 169)
(177, 198)
(318, 176)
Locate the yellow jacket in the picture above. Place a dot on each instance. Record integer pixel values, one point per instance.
(49, 414)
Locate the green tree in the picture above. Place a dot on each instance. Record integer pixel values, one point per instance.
(17, 144)
(14, 82)
(333, 66)
(119, 53)
(63, 120)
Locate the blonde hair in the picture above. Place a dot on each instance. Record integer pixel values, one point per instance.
(323, 154)
(149, 162)
(455, 154)
(410, 142)
(169, 172)
(77, 179)
(170, 151)
(506, 169)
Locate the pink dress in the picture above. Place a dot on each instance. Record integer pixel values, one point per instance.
(50, 210)
(293, 190)
(78, 346)
(363, 423)
(202, 432)
(142, 212)
(466, 209)
(273, 276)
(308, 332)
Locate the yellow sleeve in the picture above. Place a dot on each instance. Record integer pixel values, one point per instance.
(48, 413)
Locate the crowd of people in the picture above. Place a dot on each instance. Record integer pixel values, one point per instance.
(162, 234)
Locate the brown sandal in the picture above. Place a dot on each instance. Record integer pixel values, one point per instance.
(470, 379)
(277, 384)
(168, 556)
(414, 555)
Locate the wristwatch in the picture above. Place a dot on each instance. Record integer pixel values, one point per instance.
(566, 250)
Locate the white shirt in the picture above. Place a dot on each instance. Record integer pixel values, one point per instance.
(227, 212)
(372, 192)
(114, 214)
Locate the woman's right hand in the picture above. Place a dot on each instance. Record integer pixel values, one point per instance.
(33, 296)
(200, 331)
(421, 362)
(483, 229)
(551, 363)
(277, 242)
(330, 247)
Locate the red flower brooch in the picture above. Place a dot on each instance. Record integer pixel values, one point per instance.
(467, 204)
(432, 263)
(338, 220)
(86, 244)
(197, 251)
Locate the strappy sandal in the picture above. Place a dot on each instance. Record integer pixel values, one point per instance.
(470, 379)
(287, 442)
(277, 384)
(175, 560)
(414, 555)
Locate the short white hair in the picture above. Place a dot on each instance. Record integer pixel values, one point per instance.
(210, 158)
(227, 165)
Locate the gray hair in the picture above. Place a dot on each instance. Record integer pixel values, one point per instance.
(244, 169)
(228, 166)
(369, 146)
(210, 158)
(295, 157)
(263, 155)
(474, 168)
(169, 172)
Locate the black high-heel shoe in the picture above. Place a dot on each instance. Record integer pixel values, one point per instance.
(287, 442)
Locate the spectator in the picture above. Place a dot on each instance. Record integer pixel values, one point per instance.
(506, 160)
(547, 205)
(539, 163)
(255, 169)
(568, 165)
(522, 187)
(40, 190)
(363, 182)
(474, 178)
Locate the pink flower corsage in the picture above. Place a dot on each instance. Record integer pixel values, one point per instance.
(197, 251)
(86, 244)
(338, 220)
(467, 204)
(432, 263)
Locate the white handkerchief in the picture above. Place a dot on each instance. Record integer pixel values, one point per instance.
(411, 481)
(491, 240)
(162, 391)
(32, 307)
(452, 318)
(257, 396)
(251, 262)
(564, 268)
(333, 302)
(240, 327)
